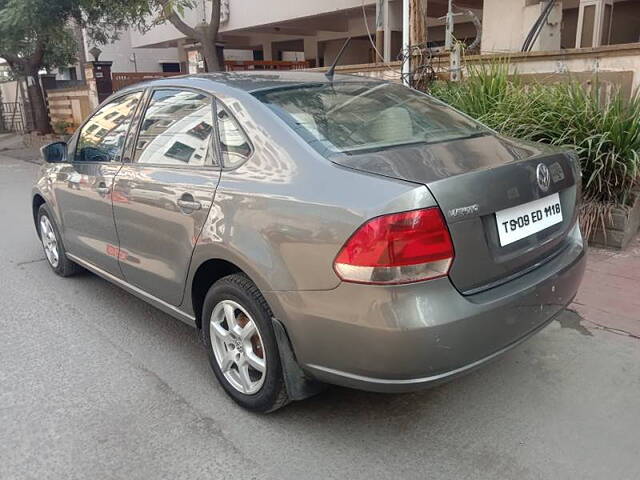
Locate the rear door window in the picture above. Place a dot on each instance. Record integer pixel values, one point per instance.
(176, 129)
(235, 145)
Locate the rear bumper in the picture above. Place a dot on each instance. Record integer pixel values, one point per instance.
(403, 338)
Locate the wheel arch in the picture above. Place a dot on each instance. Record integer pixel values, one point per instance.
(298, 384)
(208, 273)
(37, 201)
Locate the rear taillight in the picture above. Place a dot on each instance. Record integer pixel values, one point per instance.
(398, 248)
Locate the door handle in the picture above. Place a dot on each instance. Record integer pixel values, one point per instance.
(187, 203)
(103, 189)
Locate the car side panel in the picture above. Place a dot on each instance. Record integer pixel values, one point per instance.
(43, 188)
(156, 236)
(85, 209)
(284, 214)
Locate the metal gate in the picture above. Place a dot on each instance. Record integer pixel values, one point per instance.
(13, 118)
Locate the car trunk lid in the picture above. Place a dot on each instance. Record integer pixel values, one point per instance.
(472, 179)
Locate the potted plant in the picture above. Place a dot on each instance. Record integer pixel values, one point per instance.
(63, 128)
(616, 225)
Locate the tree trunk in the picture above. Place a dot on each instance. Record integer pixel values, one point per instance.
(210, 54)
(206, 35)
(38, 104)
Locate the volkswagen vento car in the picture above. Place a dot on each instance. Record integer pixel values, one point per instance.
(351, 232)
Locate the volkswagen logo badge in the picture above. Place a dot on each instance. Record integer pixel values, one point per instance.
(543, 176)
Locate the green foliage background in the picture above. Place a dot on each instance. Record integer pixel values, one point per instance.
(605, 132)
(29, 26)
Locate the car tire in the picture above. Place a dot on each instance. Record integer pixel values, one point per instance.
(236, 296)
(52, 244)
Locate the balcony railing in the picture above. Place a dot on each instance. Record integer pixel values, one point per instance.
(237, 65)
(124, 79)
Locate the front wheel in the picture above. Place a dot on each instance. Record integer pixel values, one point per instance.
(52, 245)
(241, 344)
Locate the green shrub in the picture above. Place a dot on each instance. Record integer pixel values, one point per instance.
(60, 126)
(605, 134)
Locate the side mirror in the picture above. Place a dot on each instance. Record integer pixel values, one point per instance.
(54, 152)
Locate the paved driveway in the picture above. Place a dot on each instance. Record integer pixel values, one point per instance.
(96, 384)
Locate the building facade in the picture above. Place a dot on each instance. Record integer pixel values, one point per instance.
(281, 30)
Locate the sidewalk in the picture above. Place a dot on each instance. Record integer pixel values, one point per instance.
(609, 297)
(13, 145)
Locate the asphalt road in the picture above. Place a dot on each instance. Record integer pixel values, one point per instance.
(94, 383)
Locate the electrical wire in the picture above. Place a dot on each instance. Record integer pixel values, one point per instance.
(534, 33)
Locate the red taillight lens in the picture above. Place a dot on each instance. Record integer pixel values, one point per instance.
(397, 248)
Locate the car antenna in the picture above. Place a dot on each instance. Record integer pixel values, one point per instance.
(332, 69)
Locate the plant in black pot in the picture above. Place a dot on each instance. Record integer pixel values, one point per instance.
(63, 128)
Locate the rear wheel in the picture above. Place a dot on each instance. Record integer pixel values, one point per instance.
(52, 245)
(241, 344)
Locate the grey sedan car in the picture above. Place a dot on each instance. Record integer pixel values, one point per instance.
(352, 232)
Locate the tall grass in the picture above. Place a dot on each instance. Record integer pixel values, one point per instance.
(605, 134)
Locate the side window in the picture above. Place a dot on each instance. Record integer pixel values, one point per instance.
(233, 141)
(176, 129)
(102, 137)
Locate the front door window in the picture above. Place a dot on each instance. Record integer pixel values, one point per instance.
(102, 137)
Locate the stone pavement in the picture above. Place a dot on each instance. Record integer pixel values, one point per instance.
(609, 297)
(21, 147)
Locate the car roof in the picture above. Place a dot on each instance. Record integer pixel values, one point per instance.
(261, 80)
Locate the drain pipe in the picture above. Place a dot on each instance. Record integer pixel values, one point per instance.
(406, 64)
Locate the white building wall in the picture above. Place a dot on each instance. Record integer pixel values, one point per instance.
(613, 61)
(502, 26)
(121, 53)
(246, 14)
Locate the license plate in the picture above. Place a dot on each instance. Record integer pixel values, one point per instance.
(519, 222)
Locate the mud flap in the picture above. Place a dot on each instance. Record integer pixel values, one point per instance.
(299, 386)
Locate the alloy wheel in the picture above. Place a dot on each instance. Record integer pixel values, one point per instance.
(49, 241)
(238, 347)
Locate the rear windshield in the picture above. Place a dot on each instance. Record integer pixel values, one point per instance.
(354, 117)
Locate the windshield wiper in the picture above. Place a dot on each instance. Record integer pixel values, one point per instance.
(473, 135)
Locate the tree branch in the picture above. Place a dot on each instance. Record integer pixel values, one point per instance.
(214, 23)
(177, 22)
(36, 58)
(16, 63)
(11, 58)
